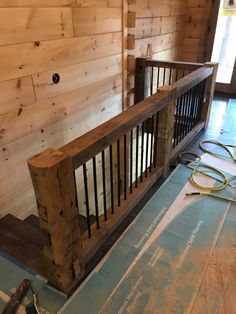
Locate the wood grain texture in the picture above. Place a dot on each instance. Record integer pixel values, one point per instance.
(20, 199)
(196, 30)
(42, 114)
(24, 59)
(16, 94)
(152, 8)
(98, 3)
(34, 24)
(76, 76)
(89, 21)
(147, 27)
(36, 3)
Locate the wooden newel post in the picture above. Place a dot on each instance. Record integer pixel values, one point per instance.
(166, 129)
(141, 74)
(210, 89)
(53, 182)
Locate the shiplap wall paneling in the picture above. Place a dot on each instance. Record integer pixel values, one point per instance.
(196, 30)
(80, 44)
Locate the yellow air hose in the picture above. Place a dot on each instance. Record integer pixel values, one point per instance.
(193, 161)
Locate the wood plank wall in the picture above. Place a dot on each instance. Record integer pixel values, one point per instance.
(159, 32)
(196, 30)
(84, 41)
(81, 40)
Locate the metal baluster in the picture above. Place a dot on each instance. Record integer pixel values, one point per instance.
(131, 161)
(104, 186)
(118, 171)
(158, 76)
(193, 104)
(87, 200)
(95, 190)
(188, 113)
(125, 166)
(142, 149)
(170, 77)
(152, 138)
(185, 116)
(147, 147)
(111, 177)
(76, 192)
(155, 140)
(137, 151)
(178, 126)
(177, 74)
(202, 100)
(151, 85)
(164, 76)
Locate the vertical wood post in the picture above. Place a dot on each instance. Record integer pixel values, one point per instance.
(140, 80)
(210, 89)
(53, 181)
(166, 129)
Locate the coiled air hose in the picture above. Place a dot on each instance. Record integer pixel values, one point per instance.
(193, 161)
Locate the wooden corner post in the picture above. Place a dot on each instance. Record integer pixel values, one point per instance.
(210, 89)
(140, 80)
(53, 181)
(165, 135)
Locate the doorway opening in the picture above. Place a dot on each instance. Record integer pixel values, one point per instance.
(224, 48)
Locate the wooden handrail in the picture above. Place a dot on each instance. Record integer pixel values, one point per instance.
(173, 64)
(191, 80)
(93, 142)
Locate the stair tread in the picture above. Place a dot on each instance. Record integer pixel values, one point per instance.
(23, 241)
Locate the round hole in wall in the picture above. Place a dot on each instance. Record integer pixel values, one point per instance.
(56, 78)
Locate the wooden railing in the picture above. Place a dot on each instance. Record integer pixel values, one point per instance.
(194, 84)
(85, 189)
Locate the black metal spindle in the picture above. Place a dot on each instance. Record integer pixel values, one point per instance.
(155, 139)
(111, 178)
(202, 100)
(189, 118)
(152, 138)
(136, 161)
(118, 172)
(185, 117)
(131, 162)
(142, 151)
(104, 185)
(95, 190)
(158, 76)
(147, 147)
(76, 192)
(191, 101)
(170, 77)
(177, 74)
(87, 200)
(181, 118)
(178, 119)
(196, 101)
(164, 76)
(125, 166)
(151, 79)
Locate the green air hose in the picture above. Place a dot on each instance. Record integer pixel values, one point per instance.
(200, 167)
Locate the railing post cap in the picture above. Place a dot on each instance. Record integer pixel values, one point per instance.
(47, 159)
(167, 89)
